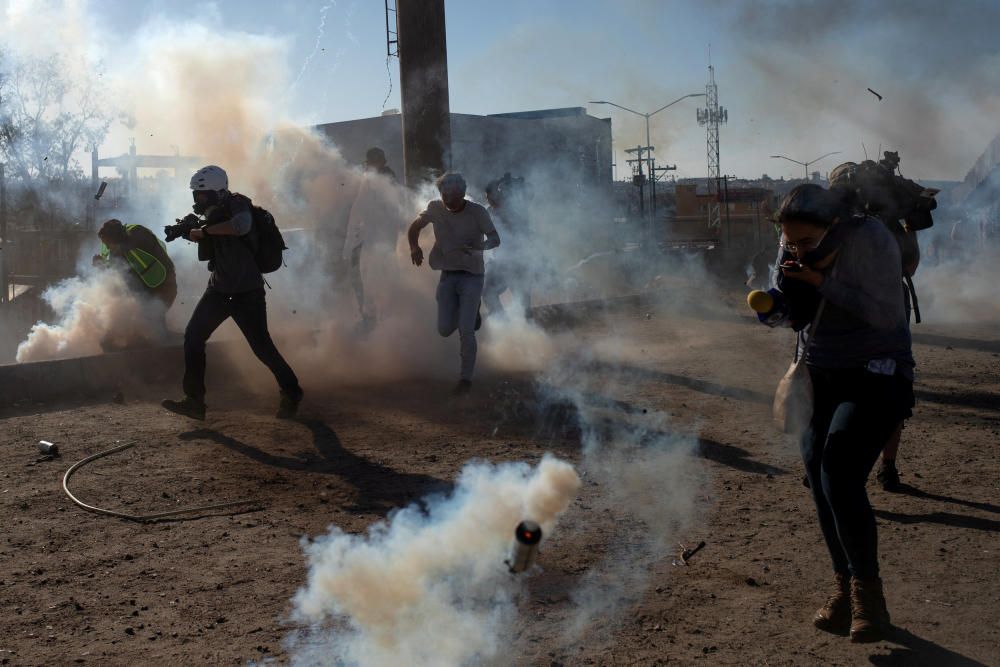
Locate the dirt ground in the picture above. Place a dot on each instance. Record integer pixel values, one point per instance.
(78, 588)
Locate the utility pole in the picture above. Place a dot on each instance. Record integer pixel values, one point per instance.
(649, 158)
(725, 202)
(423, 78)
(4, 288)
(639, 179)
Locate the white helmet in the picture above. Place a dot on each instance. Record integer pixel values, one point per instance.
(210, 178)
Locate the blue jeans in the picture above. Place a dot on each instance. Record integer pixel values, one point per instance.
(854, 412)
(458, 297)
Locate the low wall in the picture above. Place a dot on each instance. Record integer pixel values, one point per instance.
(83, 377)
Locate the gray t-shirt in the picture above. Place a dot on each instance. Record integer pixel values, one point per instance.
(459, 236)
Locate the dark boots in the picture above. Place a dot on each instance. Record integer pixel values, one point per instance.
(187, 406)
(888, 477)
(835, 615)
(869, 615)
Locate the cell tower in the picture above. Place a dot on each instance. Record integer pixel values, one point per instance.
(711, 117)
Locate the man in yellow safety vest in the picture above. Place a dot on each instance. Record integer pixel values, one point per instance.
(145, 255)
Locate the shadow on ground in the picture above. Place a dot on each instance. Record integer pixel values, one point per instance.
(914, 651)
(378, 487)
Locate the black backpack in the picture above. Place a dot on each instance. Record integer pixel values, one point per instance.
(902, 205)
(270, 244)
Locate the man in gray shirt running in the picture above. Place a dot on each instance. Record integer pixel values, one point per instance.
(462, 230)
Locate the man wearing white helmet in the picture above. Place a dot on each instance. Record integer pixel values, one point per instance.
(229, 241)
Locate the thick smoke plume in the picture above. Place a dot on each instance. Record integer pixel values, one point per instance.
(430, 588)
(643, 477)
(95, 312)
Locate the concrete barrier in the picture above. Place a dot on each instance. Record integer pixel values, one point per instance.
(83, 377)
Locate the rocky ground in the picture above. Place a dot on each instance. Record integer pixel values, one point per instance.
(216, 588)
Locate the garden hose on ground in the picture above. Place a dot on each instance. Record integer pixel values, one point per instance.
(135, 517)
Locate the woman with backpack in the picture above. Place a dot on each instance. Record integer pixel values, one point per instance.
(841, 272)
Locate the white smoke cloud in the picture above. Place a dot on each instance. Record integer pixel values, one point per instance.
(430, 588)
(961, 291)
(95, 312)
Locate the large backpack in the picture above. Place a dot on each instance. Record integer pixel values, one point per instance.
(902, 205)
(270, 244)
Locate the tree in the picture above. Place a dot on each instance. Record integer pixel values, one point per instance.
(47, 117)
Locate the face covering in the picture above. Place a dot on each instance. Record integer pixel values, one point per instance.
(204, 200)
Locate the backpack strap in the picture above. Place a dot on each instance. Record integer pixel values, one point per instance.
(811, 330)
(913, 298)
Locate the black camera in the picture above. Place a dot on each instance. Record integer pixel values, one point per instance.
(183, 227)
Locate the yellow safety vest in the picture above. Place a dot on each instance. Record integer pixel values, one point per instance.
(150, 270)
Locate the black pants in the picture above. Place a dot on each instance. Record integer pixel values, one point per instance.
(854, 412)
(249, 311)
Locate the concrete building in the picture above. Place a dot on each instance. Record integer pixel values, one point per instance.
(568, 148)
(745, 212)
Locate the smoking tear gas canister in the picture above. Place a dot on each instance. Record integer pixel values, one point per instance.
(527, 535)
(47, 448)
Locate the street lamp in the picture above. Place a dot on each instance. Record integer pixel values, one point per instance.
(649, 160)
(806, 164)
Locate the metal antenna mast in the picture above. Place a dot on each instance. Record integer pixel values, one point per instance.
(711, 116)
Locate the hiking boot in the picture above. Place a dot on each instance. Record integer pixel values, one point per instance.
(869, 615)
(188, 407)
(835, 615)
(463, 387)
(888, 477)
(289, 405)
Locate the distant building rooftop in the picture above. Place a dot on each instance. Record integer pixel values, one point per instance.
(543, 113)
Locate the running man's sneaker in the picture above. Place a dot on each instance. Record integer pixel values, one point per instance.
(289, 405)
(188, 407)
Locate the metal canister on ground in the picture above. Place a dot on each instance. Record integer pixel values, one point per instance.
(526, 538)
(47, 448)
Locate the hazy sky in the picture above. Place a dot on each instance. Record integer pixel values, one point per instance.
(792, 75)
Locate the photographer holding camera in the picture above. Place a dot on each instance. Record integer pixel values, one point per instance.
(229, 240)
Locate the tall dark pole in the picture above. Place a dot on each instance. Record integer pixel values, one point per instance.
(423, 74)
(725, 202)
(4, 288)
(652, 174)
(642, 190)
